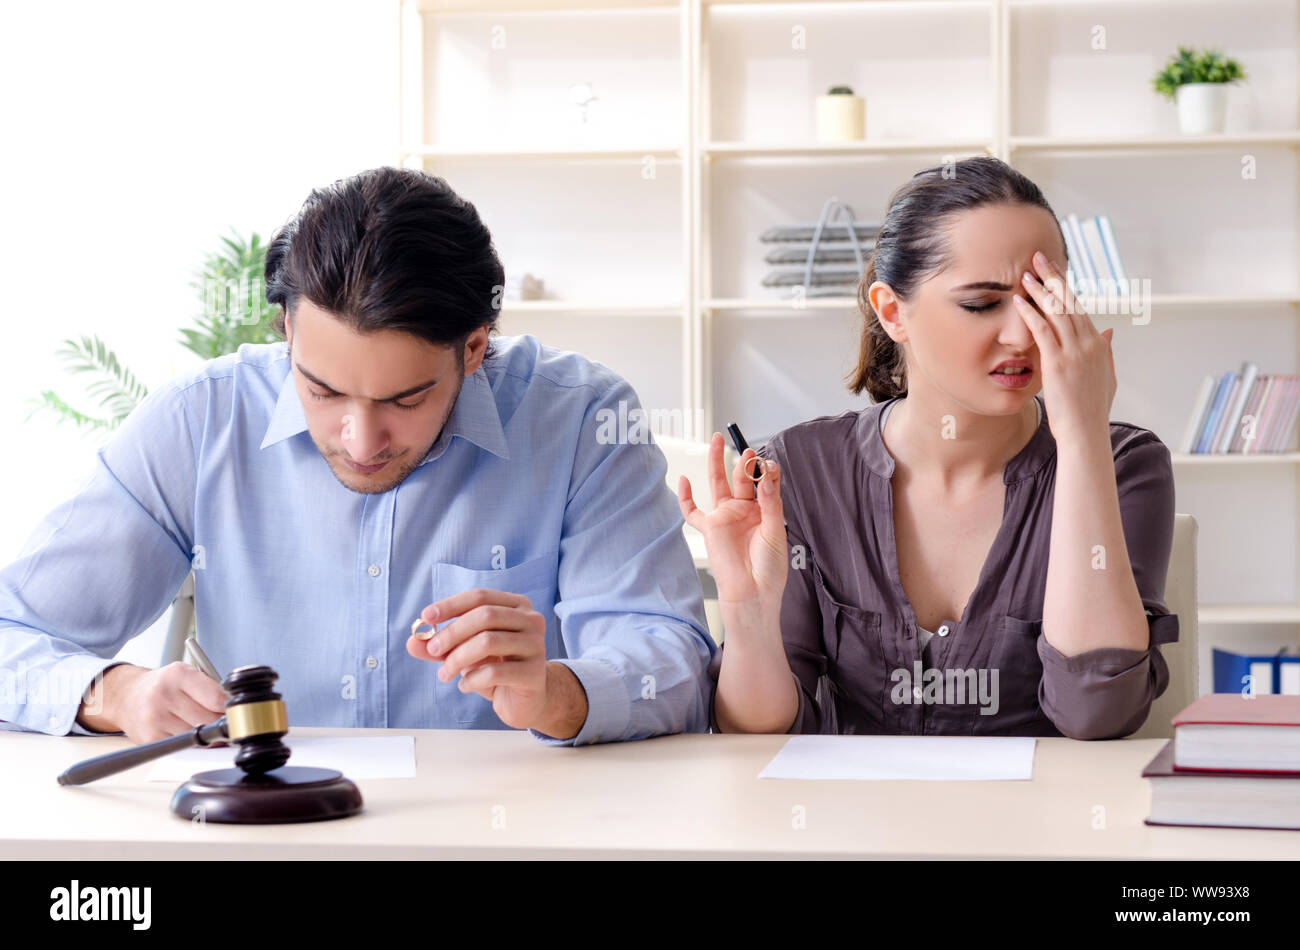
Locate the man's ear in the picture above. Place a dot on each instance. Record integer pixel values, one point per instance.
(288, 328)
(475, 350)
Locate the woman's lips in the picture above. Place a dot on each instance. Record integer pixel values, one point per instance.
(1013, 380)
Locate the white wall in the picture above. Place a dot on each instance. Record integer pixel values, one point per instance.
(136, 134)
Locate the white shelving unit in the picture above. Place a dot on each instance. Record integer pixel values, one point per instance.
(645, 220)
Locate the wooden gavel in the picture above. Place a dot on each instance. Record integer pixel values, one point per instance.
(261, 789)
(255, 720)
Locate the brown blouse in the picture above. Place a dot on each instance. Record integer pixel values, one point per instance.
(852, 640)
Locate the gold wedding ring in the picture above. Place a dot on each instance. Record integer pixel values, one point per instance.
(758, 467)
(421, 634)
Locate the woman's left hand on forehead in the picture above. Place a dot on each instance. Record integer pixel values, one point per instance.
(1077, 362)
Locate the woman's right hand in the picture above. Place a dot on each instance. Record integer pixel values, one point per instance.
(744, 536)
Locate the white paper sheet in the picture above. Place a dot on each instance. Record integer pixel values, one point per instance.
(912, 758)
(357, 757)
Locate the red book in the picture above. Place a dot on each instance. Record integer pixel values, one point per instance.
(1239, 733)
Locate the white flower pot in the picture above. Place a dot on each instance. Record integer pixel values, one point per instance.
(1201, 107)
(841, 118)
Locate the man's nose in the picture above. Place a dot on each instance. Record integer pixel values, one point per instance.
(363, 436)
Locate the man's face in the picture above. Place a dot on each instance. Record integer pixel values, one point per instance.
(375, 402)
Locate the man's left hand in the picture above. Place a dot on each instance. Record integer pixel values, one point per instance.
(497, 644)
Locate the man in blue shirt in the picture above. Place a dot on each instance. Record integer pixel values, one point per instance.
(391, 460)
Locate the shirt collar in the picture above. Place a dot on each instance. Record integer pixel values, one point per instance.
(474, 417)
(287, 419)
(1040, 447)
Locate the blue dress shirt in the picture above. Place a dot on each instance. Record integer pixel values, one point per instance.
(217, 473)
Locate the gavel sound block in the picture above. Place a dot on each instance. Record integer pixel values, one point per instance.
(261, 789)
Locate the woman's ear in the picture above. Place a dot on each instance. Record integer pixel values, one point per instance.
(886, 306)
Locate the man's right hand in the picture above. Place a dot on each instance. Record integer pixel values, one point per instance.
(152, 704)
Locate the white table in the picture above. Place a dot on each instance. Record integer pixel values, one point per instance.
(674, 796)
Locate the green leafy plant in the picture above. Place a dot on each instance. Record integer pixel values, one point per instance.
(232, 288)
(840, 91)
(1190, 65)
(117, 389)
(233, 311)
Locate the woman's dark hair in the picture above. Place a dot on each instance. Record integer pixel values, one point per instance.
(912, 246)
(389, 249)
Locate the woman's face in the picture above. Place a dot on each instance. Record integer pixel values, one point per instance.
(960, 323)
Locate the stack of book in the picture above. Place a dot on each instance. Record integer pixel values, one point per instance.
(1243, 413)
(1234, 762)
(1094, 266)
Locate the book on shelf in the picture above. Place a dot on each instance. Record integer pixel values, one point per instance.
(1262, 673)
(1094, 266)
(1236, 407)
(1242, 413)
(1234, 761)
(1112, 249)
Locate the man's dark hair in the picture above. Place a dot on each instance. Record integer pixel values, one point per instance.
(389, 249)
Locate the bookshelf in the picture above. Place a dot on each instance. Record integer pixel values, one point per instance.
(644, 220)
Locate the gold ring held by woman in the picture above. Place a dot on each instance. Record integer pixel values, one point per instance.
(421, 634)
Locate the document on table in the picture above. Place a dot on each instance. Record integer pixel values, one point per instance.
(910, 758)
(357, 757)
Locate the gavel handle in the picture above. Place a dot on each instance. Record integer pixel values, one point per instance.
(114, 762)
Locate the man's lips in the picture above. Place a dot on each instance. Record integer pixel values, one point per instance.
(356, 466)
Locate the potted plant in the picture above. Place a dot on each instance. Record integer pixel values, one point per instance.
(841, 116)
(234, 310)
(1198, 81)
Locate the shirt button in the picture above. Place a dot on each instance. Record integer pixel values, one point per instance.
(54, 721)
(943, 630)
(373, 570)
(916, 692)
(371, 662)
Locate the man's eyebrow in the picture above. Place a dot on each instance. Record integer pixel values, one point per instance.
(978, 285)
(402, 395)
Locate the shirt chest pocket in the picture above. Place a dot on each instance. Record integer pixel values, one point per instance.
(534, 579)
(857, 675)
(1020, 673)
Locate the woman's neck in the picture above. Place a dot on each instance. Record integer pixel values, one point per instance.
(952, 450)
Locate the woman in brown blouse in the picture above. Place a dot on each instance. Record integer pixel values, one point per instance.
(963, 556)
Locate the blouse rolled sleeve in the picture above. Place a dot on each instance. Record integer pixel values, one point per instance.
(1107, 693)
